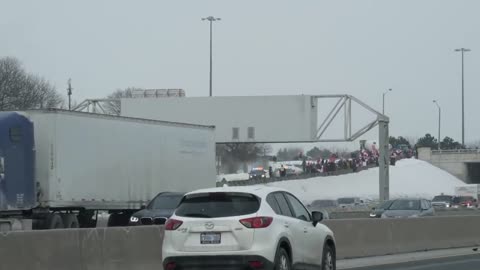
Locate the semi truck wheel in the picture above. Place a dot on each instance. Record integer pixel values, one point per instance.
(118, 219)
(54, 221)
(70, 221)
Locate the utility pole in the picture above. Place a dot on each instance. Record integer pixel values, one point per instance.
(383, 102)
(463, 50)
(69, 93)
(211, 19)
(439, 122)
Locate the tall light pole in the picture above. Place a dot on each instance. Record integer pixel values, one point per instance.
(439, 121)
(211, 19)
(463, 50)
(69, 93)
(383, 102)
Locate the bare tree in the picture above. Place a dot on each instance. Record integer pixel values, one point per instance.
(20, 90)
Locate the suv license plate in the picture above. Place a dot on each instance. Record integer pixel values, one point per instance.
(210, 238)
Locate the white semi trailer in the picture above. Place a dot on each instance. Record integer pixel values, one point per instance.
(59, 168)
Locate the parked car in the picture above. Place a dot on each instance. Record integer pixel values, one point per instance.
(442, 201)
(409, 208)
(246, 228)
(378, 211)
(158, 210)
(464, 202)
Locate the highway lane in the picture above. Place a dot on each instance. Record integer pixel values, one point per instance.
(467, 262)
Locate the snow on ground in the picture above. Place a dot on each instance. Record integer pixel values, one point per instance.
(409, 178)
(232, 177)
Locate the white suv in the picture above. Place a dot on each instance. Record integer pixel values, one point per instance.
(246, 228)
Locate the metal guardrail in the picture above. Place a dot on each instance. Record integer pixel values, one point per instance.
(249, 182)
(456, 151)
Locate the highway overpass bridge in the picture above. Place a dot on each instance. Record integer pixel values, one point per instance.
(462, 163)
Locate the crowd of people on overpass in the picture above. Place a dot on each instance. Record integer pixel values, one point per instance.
(357, 161)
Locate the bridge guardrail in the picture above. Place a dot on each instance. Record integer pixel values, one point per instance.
(249, 182)
(456, 151)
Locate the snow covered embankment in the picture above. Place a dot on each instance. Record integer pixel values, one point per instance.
(409, 178)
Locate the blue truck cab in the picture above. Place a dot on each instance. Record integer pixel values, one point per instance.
(17, 163)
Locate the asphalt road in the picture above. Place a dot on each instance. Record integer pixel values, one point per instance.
(468, 262)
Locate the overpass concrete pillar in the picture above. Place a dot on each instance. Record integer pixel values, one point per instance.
(384, 161)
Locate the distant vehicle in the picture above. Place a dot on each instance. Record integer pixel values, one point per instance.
(258, 173)
(292, 170)
(464, 202)
(378, 211)
(158, 210)
(350, 202)
(246, 228)
(323, 204)
(409, 208)
(472, 190)
(442, 201)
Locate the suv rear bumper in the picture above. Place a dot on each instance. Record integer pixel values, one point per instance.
(224, 262)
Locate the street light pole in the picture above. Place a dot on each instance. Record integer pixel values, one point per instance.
(69, 93)
(439, 121)
(211, 19)
(383, 102)
(463, 50)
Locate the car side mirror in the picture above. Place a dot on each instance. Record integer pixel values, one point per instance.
(316, 217)
(143, 206)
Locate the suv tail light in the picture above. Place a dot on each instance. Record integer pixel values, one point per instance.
(256, 264)
(172, 224)
(256, 222)
(171, 266)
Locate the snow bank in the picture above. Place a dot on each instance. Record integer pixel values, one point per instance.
(409, 178)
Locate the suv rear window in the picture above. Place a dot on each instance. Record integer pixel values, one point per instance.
(165, 202)
(218, 204)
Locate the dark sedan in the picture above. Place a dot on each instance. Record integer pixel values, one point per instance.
(158, 210)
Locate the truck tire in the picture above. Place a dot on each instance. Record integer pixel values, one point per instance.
(70, 221)
(53, 221)
(118, 219)
(86, 219)
(38, 224)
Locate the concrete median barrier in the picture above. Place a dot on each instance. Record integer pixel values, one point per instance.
(375, 237)
(140, 248)
(362, 237)
(83, 249)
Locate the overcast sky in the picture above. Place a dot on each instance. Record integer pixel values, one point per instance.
(272, 47)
